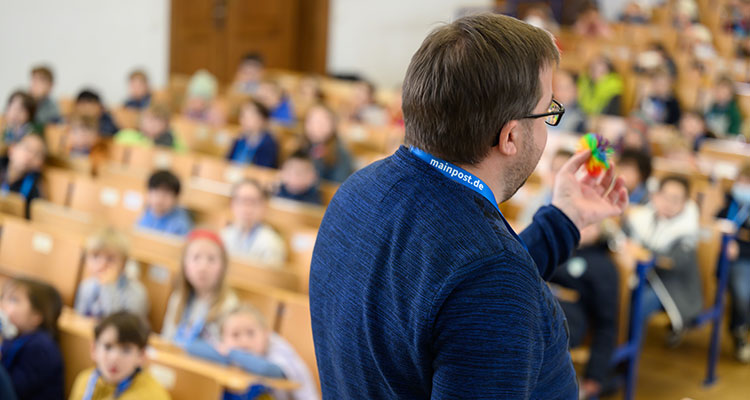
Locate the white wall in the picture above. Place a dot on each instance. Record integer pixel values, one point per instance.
(378, 38)
(96, 43)
(93, 43)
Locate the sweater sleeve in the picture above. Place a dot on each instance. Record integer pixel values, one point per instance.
(254, 364)
(551, 239)
(201, 348)
(485, 345)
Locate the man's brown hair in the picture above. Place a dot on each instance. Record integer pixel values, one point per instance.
(470, 78)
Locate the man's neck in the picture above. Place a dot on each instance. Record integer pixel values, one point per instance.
(489, 174)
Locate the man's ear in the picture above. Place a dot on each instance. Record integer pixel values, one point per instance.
(508, 143)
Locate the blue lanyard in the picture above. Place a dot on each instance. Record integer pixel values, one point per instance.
(185, 335)
(738, 215)
(119, 390)
(247, 151)
(13, 349)
(467, 179)
(96, 309)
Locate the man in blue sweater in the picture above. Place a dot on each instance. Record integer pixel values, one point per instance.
(419, 288)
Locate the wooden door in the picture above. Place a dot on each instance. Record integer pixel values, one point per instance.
(196, 39)
(215, 34)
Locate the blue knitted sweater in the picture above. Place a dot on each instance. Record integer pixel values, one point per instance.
(418, 291)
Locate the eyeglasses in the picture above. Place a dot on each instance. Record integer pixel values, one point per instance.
(553, 115)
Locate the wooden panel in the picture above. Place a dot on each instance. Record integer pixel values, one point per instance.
(266, 27)
(14, 204)
(46, 213)
(313, 36)
(116, 203)
(27, 250)
(57, 184)
(195, 39)
(296, 327)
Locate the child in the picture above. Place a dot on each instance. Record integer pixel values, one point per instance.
(279, 106)
(162, 213)
(249, 74)
(247, 342)
(332, 160)
(119, 352)
(201, 92)
(89, 103)
(20, 169)
(600, 89)
(364, 107)
(154, 130)
(564, 88)
(298, 180)
(201, 294)
(40, 89)
(723, 116)
(660, 106)
(736, 205)
(32, 358)
(107, 288)
(247, 235)
(692, 127)
(635, 168)
(139, 92)
(19, 117)
(256, 145)
(668, 228)
(593, 276)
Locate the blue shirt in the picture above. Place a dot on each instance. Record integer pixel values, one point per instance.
(283, 113)
(419, 291)
(263, 153)
(175, 222)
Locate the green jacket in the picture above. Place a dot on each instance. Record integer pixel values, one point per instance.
(133, 137)
(594, 97)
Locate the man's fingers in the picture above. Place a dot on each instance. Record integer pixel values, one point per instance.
(574, 163)
(618, 196)
(606, 181)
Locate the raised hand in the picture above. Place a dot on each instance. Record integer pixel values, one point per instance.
(589, 199)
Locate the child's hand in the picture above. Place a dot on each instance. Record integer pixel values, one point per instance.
(223, 349)
(733, 250)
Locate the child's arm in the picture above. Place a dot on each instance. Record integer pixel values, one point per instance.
(201, 348)
(255, 364)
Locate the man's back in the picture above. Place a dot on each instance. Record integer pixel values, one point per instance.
(418, 290)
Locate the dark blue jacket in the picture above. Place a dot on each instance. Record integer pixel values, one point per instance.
(35, 366)
(311, 196)
(107, 125)
(139, 104)
(28, 186)
(264, 153)
(419, 291)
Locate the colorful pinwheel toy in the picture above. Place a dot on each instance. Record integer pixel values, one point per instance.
(601, 152)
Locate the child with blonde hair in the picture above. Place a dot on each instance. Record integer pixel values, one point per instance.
(108, 289)
(246, 341)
